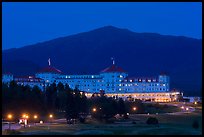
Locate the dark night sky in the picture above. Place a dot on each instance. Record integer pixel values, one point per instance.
(29, 23)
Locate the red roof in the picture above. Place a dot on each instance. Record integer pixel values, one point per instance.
(50, 69)
(113, 68)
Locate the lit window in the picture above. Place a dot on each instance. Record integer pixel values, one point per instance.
(131, 80)
(92, 76)
(125, 84)
(149, 80)
(121, 76)
(119, 88)
(163, 84)
(120, 84)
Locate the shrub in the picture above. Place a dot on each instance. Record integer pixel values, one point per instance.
(152, 121)
(195, 124)
(125, 116)
(133, 122)
(109, 121)
(82, 120)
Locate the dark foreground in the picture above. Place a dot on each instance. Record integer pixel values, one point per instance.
(169, 124)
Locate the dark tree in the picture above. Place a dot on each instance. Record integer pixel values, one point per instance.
(70, 104)
(121, 107)
(152, 121)
(61, 97)
(106, 108)
(51, 95)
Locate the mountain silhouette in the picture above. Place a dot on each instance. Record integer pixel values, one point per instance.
(140, 54)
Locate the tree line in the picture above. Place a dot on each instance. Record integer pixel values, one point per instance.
(63, 102)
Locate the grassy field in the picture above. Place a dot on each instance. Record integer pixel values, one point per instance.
(168, 125)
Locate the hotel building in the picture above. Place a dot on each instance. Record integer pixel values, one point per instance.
(113, 80)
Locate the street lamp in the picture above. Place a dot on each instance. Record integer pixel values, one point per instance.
(50, 117)
(195, 103)
(35, 117)
(134, 108)
(9, 116)
(25, 116)
(94, 109)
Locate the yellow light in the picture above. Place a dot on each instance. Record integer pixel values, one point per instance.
(35, 116)
(94, 109)
(26, 116)
(50, 115)
(9, 116)
(195, 103)
(134, 108)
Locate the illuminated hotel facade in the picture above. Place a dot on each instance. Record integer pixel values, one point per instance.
(113, 80)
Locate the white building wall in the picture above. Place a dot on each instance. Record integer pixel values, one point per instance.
(7, 78)
(49, 78)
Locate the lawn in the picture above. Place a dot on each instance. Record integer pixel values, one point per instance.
(168, 125)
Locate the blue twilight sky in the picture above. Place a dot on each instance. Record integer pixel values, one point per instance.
(32, 22)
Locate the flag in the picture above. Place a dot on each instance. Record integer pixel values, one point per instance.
(49, 61)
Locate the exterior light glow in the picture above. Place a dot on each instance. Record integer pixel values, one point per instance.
(24, 115)
(94, 109)
(134, 108)
(9, 116)
(50, 116)
(35, 116)
(195, 103)
(187, 109)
